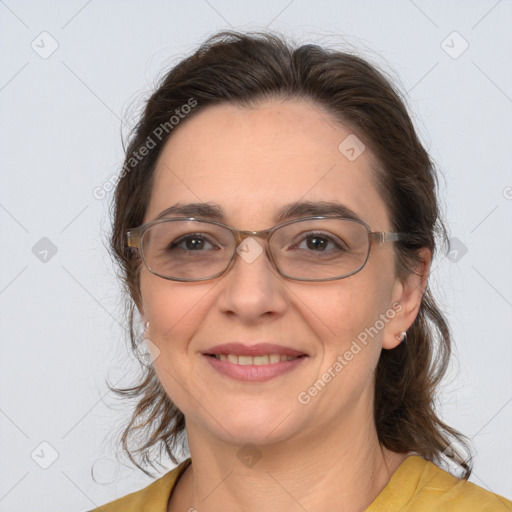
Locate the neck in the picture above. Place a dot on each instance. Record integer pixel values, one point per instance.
(345, 468)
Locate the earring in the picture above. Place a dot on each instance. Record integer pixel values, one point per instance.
(146, 326)
(401, 337)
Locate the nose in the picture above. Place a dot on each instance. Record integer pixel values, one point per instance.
(252, 288)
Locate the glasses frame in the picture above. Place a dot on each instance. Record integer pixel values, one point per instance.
(135, 236)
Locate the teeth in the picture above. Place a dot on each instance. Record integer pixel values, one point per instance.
(261, 359)
(256, 360)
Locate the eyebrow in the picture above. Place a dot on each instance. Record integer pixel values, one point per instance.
(213, 211)
(210, 211)
(320, 208)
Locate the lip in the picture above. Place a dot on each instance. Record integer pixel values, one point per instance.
(252, 372)
(259, 349)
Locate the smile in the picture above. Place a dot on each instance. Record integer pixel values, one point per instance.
(255, 360)
(260, 368)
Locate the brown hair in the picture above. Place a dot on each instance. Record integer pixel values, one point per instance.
(244, 69)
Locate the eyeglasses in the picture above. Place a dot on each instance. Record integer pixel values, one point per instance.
(305, 249)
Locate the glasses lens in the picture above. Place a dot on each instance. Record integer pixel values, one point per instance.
(320, 248)
(187, 249)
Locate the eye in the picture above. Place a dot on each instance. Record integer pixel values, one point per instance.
(321, 242)
(193, 242)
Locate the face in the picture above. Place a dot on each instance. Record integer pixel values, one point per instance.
(251, 163)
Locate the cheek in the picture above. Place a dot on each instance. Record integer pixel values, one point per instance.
(173, 309)
(340, 317)
(346, 318)
(343, 309)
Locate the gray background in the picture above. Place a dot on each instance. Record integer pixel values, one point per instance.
(61, 112)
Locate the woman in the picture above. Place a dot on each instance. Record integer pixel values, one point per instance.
(275, 222)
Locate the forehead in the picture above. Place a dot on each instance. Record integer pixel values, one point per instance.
(253, 161)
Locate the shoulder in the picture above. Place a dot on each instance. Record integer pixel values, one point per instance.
(454, 494)
(420, 485)
(152, 498)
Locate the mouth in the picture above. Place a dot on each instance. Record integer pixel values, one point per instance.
(256, 363)
(260, 360)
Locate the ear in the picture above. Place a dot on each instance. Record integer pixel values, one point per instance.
(406, 300)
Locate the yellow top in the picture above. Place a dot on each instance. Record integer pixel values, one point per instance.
(416, 486)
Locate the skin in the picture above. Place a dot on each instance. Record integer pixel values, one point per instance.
(321, 456)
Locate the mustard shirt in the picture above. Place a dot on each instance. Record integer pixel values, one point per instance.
(416, 486)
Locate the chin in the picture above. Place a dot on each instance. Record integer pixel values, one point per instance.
(258, 425)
